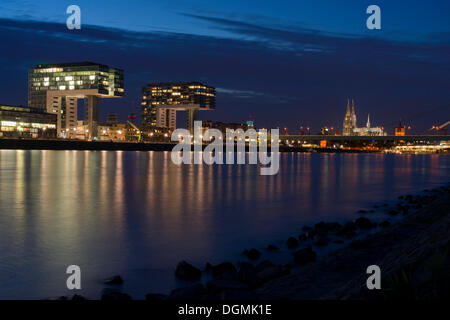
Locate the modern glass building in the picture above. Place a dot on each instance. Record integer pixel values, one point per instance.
(26, 122)
(160, 101)
(57, 88)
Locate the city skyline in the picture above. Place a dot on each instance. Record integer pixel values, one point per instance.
(303, 74)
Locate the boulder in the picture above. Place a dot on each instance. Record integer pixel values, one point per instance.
(263, 265)
(302, 237)
(187, 271)
(304, 256)
(363, 223)
(253, 254)
(321, 240)
(271, 247)
(292, 243)
(321, 227)
(347, 231)
(112, 295)
(247, 274)
(270, 273)
(385, 224)
(155, 297)
(219, 286)
(224, 270)
(190, 293)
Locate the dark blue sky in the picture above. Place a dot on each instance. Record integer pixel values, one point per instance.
(287, 63)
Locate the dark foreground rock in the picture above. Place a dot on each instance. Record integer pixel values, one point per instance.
(304, 256)
(155, 297)
(271, 247)
(224, 270)
(412, 254)
(292, 243)
(363, 223)
(112, 295)
(252, 254)
(190, 293)
(116, 280)
(187, 271)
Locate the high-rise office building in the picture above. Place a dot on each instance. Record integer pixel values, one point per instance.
(161, 101)
(56, 88)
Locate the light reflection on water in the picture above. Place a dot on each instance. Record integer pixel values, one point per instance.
(137, 214)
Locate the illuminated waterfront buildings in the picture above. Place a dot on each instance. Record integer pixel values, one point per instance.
(26, 122)
(350, 127)
(161, 101)
(56, 88)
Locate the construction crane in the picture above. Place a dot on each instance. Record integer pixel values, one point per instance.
(440, 128)
(137, 132)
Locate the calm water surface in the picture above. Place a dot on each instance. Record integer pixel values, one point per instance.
(137, 214)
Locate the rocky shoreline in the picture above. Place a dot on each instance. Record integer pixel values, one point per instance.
(412, 252)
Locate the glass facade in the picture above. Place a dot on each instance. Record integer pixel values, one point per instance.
(174, 93)
(73, 76)
(26, 122)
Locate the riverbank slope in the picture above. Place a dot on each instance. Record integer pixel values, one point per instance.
(413, 255)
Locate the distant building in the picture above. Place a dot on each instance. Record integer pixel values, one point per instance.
(161, 101)
(112, 119)
(349, 119)
(222, 126)
(350, 127)
(56, 88)
(26, 122)
(368, 130)
(400, 130)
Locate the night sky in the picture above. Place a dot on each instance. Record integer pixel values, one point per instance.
(286, 63)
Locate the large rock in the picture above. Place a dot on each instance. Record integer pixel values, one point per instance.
(224, 270)
(247, 274)
(325, 227)
(321, 240)
(292, 243)
(187, 271)
(347, 231)
(112, 295)
(253, 254)
(271, 272)
(385, 224)
(219, 286)
(271, 247)
(363, 223)
(194, 292)
(304, 256)
(155, 297)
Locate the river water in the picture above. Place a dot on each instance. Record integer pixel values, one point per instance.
(137, 214)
